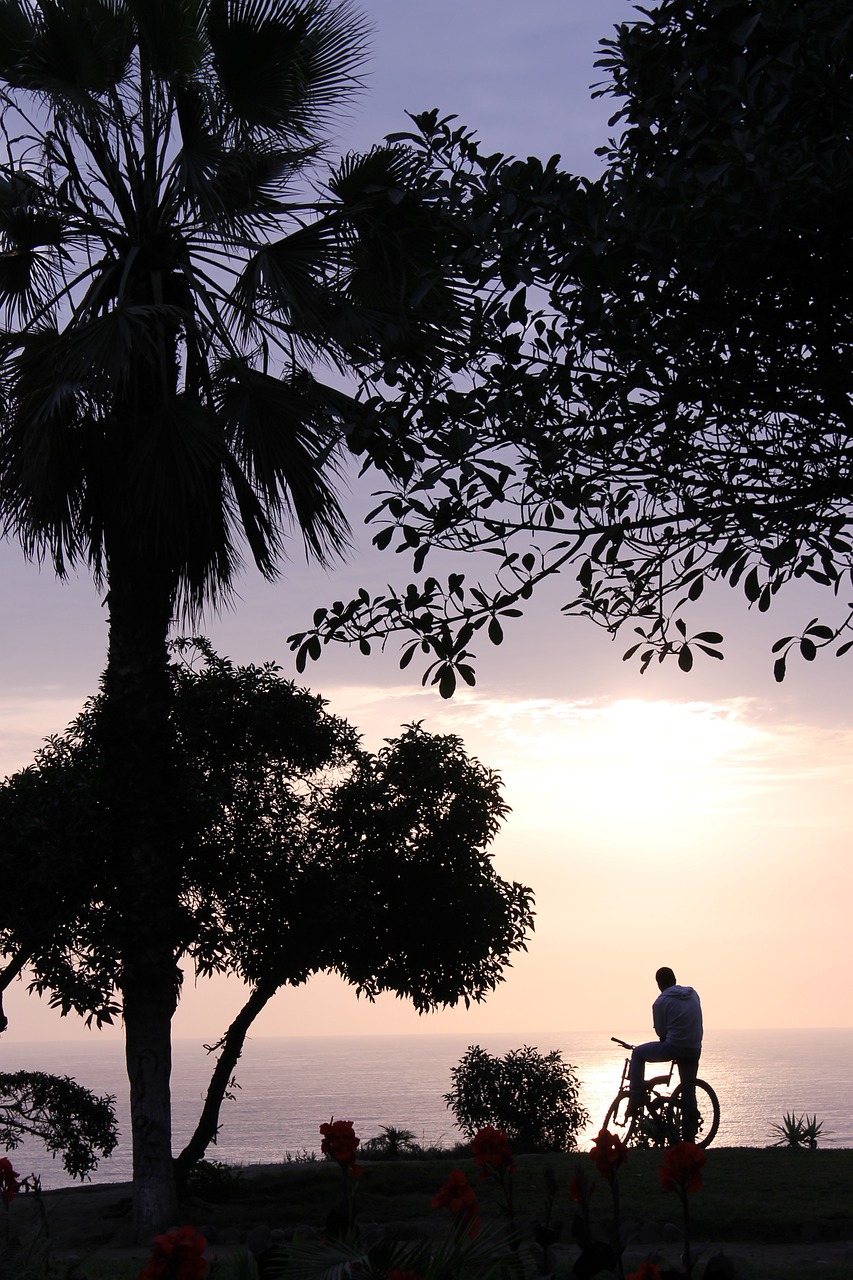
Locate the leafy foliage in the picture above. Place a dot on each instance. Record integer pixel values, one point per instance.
(70, 1120)
(652, 394)
(298, 852)
(531, 1097)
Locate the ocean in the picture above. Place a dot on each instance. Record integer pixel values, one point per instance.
(289, 1086)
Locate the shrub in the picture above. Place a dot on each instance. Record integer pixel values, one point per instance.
(390, 1143)
(798, 1132)
(212, 1179)
(531, 1097)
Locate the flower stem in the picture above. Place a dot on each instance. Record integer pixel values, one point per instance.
(688, 1260)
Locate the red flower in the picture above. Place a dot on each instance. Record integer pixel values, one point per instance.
(492, 1151)
(645, 1271)
(9, 1184)
(340, 1143)
(608, 1154)
(459, 1197)
(177, 1256)
(682, 1168)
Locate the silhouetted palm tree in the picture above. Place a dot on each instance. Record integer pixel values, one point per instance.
(166, 291)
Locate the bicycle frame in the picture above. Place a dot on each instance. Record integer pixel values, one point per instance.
(662, 1107)
(656, 1082)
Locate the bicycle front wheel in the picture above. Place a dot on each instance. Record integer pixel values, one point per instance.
(617, 1120)
(708, 1117)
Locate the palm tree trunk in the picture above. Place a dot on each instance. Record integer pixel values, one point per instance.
(148, 1054)
(231, 1045)
(144, 810)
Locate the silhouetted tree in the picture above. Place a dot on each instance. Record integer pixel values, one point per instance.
(654, 393)
(70, 1120)
(168, 288)
(300, 852)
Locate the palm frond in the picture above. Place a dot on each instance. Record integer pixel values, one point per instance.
(16, 33)
(99, 355)
(157, 144)
(360, 174)
(170, 37)
(166, 491)
(460, 1255)
(289, 277)
(75, 48)
(43, 475)
(282, 65)
(397, 240)
(284, 434)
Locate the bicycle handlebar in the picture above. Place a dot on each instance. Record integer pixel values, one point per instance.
(624, 1043)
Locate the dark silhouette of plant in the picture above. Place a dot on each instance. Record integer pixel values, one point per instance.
(798, 1132)
(609, 1153)
(390, 1143)
(657, 381)
(681, 1172)
(300, 852)
(531, 1097)
(457, 1195)
(9, 1182)
(493, 1157)
(174, 266)
(68, 1119)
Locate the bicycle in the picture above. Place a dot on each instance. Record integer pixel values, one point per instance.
(659, 1123)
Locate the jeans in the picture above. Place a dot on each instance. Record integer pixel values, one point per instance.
(688, 1068)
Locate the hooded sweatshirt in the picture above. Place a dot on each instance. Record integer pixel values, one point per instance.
(677, 1015)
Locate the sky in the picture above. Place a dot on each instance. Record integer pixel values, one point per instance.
(701, 820)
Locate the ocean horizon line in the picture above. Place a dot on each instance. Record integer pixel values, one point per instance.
(114, 1037)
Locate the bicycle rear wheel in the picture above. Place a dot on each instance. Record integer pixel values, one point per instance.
(708, 1107)
(617, 1120)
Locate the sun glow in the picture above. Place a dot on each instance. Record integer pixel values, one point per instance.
(627, 762)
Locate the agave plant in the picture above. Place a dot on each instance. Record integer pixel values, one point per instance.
(798, 1132)
(390, 1142)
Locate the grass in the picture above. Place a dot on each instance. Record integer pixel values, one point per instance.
(761, 1195)
(772, 1197)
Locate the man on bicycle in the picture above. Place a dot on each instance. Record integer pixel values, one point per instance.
(677, 1018)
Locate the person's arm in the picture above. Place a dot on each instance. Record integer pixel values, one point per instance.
(659, 1019)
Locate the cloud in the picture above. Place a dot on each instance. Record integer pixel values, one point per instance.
(650, 764)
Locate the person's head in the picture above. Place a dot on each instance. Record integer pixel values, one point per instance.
(665, 978)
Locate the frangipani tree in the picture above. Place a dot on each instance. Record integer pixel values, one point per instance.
(655, 396)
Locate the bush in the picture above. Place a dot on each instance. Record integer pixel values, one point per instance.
(70, 1120)
(531, 1097)
(390, 1143)
(798, 1132)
